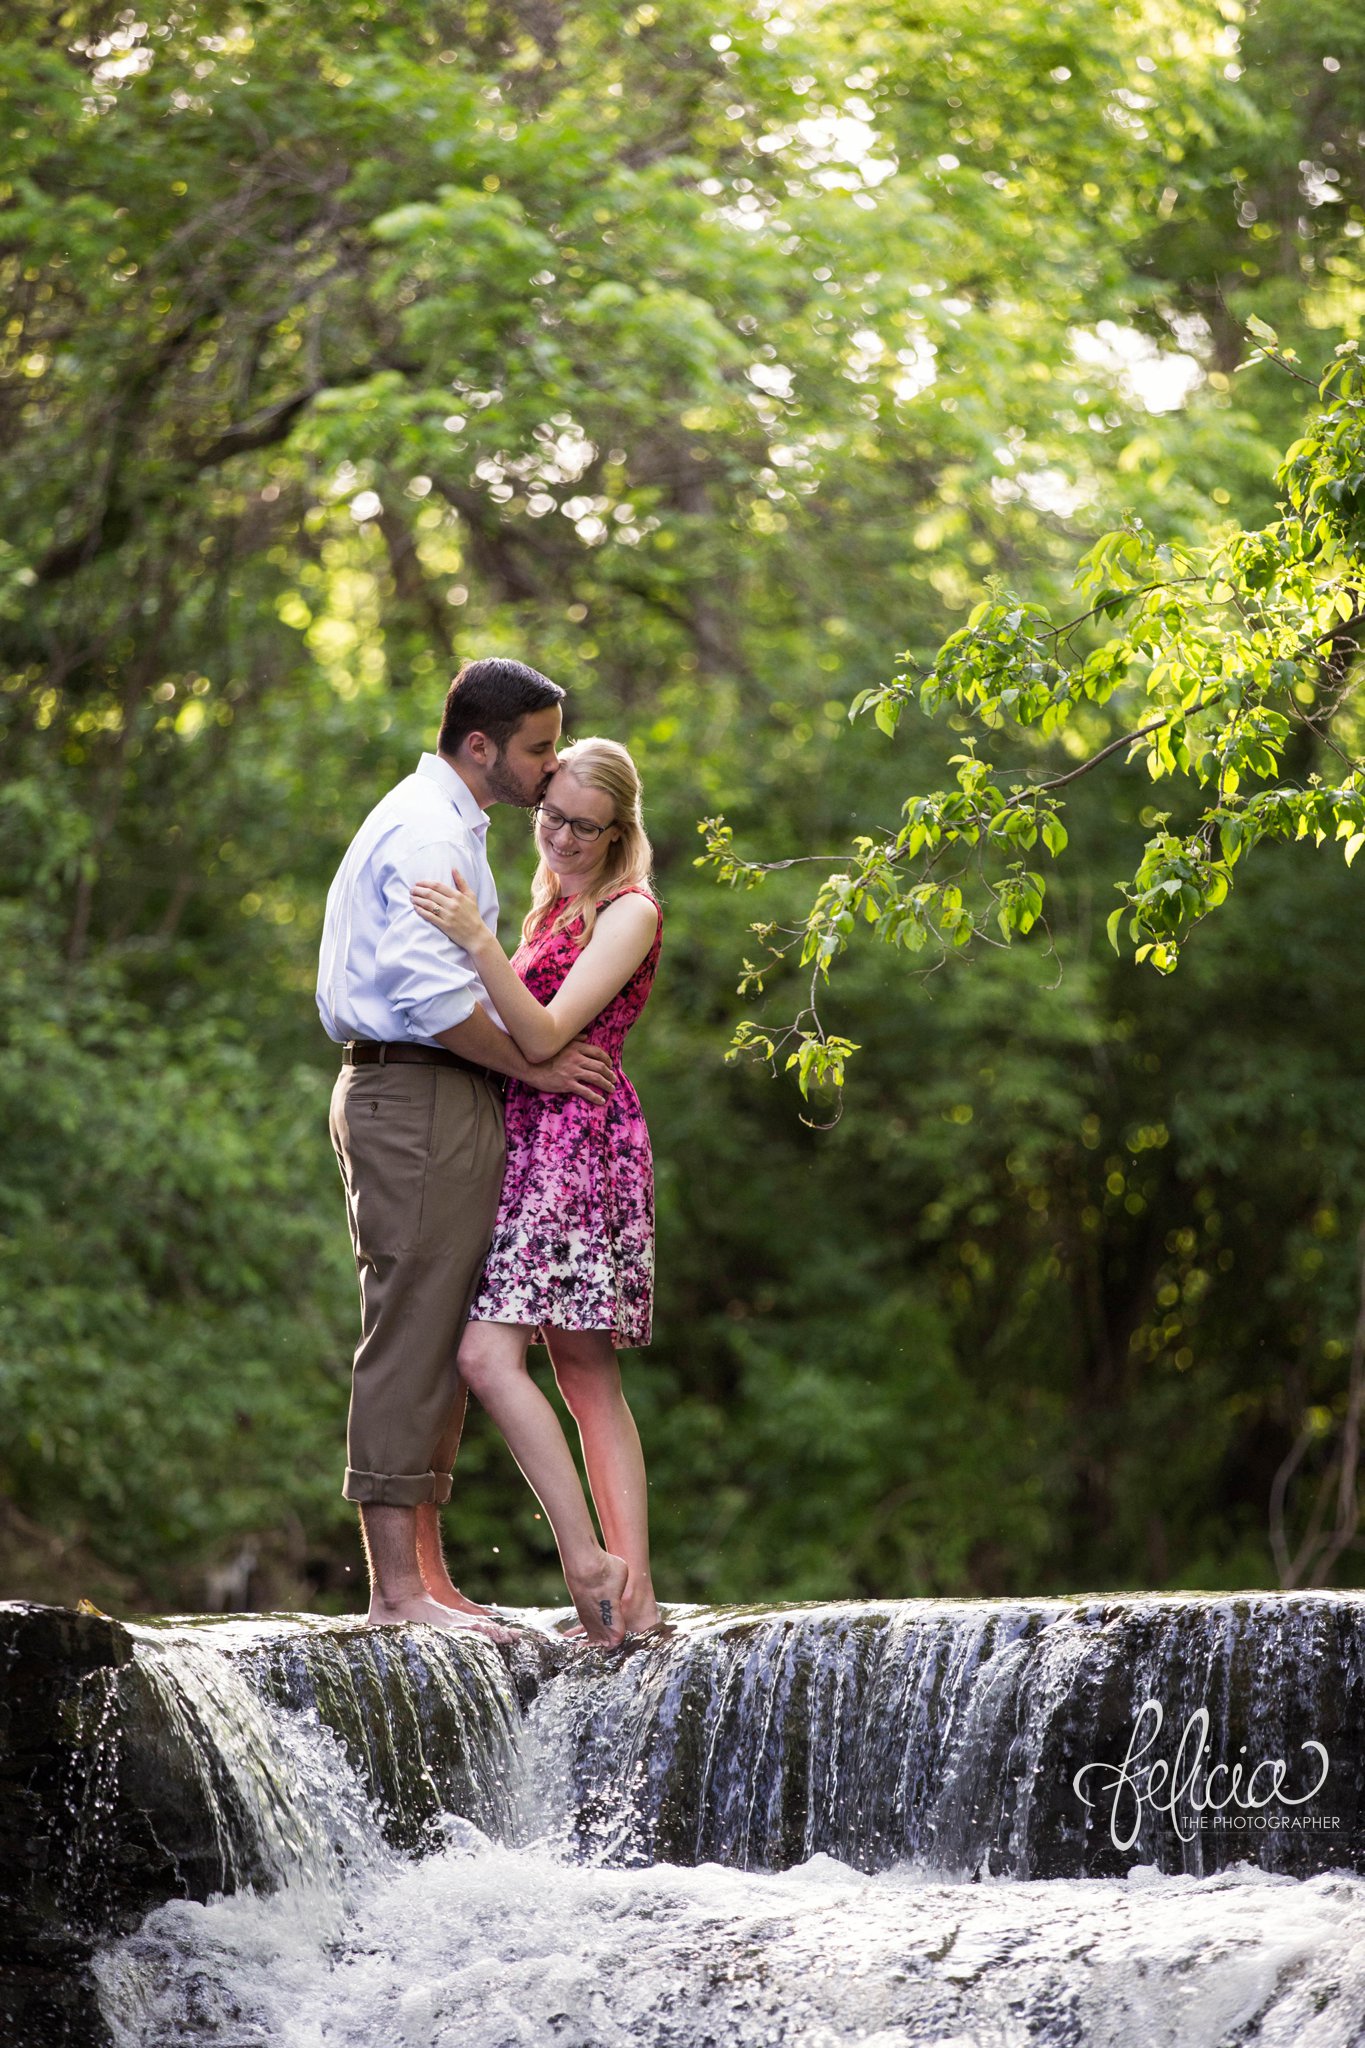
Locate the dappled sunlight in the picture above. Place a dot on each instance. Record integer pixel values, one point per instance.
(722, 366)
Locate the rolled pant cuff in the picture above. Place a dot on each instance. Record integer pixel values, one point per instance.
(395, 1489)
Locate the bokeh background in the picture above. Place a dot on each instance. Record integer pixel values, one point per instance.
(708, 356)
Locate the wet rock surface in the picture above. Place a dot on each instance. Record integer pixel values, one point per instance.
(49, 1659)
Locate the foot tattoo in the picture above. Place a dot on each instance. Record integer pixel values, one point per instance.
(604, 1608)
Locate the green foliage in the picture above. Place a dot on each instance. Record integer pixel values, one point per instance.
(162, 1360)
(1226, 650)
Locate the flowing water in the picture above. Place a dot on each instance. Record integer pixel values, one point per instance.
(813, 1827)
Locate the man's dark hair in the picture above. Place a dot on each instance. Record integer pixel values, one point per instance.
(493, 697)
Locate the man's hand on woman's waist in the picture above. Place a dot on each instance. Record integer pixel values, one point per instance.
(576, 1069)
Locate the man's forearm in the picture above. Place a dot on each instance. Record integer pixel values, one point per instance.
(476, 1037)
(579, 1069)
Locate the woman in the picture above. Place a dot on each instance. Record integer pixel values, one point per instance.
(572, 1255)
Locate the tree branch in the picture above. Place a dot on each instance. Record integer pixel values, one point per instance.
(113, 522)
(267, 429)
(1127, 739)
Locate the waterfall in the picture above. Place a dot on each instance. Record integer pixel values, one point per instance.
(949, 1734)
(292, 1832)
(181, 1760)
(189, 1736)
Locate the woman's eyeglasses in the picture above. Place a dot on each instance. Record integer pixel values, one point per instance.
(584, 830)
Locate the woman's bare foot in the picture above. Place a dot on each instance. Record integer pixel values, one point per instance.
(639, 1611)
(639, 1607)
(598, 1594)
(422, 1607)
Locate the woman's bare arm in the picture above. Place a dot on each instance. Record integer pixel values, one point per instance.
(622, 936)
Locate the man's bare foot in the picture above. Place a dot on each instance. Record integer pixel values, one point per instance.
(431, 1563)
(598, 1594)
(421, 1607)
(447, 1595)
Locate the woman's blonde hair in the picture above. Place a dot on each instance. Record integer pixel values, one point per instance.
(606, 766)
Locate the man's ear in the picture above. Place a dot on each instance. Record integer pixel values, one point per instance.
(481, 748)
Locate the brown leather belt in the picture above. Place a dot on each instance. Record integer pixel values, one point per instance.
(369, 1052)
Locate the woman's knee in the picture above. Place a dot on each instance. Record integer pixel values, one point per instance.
(586, 1373)
(487, 1352)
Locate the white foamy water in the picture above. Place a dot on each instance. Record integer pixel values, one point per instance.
(482, 1946)
(544, 1941)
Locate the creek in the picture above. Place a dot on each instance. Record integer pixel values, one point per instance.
(1124, 1820)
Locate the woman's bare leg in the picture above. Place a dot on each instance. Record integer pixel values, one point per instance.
(590, 1380)
(493, 1362)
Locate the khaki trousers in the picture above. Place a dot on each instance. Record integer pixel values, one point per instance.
(421, 1155)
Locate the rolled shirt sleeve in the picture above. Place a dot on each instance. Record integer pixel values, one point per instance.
(428, 979)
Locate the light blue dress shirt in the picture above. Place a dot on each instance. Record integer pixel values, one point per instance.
(385, 973)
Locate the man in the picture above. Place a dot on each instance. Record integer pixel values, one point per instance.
(417, 1115)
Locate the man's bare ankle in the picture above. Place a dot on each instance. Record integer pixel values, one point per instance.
(448, 1594)
(394, 1597)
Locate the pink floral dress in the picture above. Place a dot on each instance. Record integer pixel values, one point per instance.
(573, 1245)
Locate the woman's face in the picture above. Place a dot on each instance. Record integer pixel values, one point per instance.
(575, 857)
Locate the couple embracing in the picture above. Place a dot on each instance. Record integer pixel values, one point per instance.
(497, 1168)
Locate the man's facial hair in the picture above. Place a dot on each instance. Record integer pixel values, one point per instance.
(508, 791)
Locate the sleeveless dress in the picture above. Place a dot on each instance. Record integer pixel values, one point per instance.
(573, 1245)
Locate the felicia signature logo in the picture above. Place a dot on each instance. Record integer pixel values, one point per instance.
(1185, 1781)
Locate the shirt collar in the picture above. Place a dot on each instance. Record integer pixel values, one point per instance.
(434, 769)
